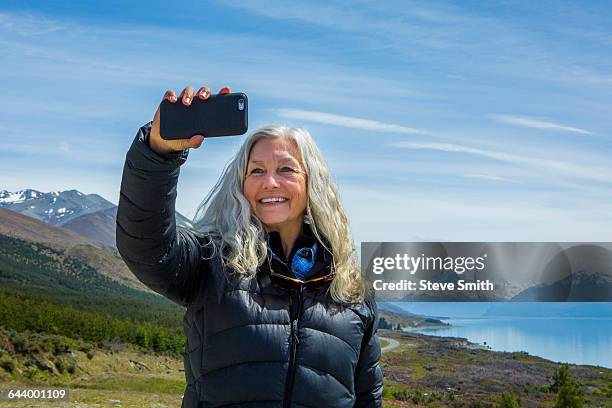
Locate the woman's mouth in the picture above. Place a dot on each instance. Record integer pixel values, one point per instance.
(271, 201)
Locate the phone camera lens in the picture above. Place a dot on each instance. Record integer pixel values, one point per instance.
(241, 104)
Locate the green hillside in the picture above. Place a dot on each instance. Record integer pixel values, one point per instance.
(43, 289)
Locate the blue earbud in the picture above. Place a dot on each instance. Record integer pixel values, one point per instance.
(302, 262)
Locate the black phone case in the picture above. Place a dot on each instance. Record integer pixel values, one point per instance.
(219, 115)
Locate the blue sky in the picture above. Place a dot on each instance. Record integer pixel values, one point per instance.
(462, 121)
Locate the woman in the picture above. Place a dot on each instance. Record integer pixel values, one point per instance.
(277, 311)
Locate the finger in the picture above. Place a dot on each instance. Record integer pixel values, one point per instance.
(155, 126)
(224, 90)
(192, 143)
(170, 95)
(204, 93)
(196, 141)
(187, 95)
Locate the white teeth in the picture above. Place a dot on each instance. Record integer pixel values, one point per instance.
(272, 200)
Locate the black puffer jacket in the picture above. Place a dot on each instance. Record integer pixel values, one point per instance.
(249, 343)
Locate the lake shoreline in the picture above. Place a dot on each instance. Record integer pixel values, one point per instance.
(577, 340)
(454, 370)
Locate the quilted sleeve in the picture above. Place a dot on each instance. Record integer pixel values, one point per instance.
(166, 259)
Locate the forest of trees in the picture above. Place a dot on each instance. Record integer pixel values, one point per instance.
(45, 291)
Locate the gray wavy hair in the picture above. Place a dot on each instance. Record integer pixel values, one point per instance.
(225, 215)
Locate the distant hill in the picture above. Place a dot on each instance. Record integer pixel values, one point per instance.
(40, 265)
(394, 315)
(47, 289)
(588, 277)
(393, 308)
(105, 260)
(551, 309)
(89, 215)
(99, 225)
(580, 286)
(32, 229)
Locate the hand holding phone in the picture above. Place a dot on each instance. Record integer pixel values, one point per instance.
(176, 142)
(217, 115)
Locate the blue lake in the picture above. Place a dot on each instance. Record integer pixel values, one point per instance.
(578, 340)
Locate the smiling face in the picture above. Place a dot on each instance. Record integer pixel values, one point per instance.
(275, 184)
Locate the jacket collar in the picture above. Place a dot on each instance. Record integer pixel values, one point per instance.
(323, 259)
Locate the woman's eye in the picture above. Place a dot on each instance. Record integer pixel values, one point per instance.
(287, 169)
(256, 171)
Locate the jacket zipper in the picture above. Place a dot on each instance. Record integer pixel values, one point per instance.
(294, 340)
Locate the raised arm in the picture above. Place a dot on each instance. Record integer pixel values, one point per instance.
(166, 259)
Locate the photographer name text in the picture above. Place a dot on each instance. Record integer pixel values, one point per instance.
(427, 285)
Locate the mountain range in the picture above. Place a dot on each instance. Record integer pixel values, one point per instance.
(579, 286)
(88, 215)
(75, 224)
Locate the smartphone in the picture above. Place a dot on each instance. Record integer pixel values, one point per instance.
(219, 115)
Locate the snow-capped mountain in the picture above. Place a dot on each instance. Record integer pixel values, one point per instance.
(89, 215)
(55, 208)
(6, 197)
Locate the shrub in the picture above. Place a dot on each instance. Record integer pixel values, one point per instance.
(508, 400)
(84, 347)
(570, 396)
(418, 397)
(31, 373)
(59, 346)
(608, 391)
(384, 324)
(143, 338)
(569, 393)
(59, 364)
(560, 377)
(437, 396)
(114, 346)
(7, 364)
(401, 394)
(19, 342)
(90, 354)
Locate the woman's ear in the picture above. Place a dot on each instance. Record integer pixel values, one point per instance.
(308, 214)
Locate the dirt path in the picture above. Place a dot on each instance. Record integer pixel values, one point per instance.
(392, 344)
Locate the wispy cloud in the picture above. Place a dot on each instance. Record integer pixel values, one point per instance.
(347, 121)
(380, 24)
(489, 177)
(379, 214)
(29, 25)
(603, 174)
(530, 52)
(537, 124)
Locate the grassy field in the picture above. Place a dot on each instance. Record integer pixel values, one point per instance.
(446, 372)
(422, 371)
(124, 378)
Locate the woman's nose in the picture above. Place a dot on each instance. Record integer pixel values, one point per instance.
(270, 181)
